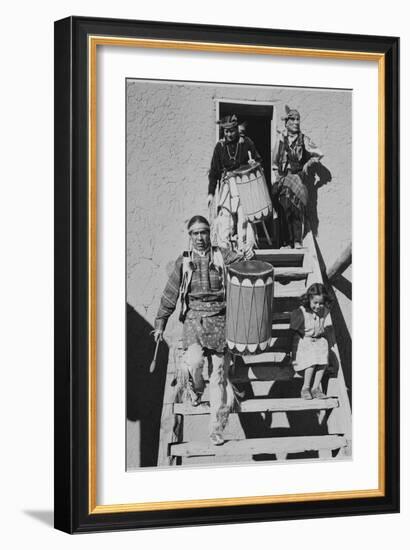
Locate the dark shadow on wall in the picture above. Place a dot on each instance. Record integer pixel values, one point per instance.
(342, 285)
(318, 176)
(342, 334)
(145, 390)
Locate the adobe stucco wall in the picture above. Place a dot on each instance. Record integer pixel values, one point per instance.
(170, 138)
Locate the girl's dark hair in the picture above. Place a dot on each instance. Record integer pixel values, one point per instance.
(196, 219)
(317, 289)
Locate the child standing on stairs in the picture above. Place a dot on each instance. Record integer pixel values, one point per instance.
(310, 351)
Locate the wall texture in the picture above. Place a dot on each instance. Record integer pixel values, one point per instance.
(170, 138)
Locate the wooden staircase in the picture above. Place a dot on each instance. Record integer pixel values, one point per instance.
(270, 421)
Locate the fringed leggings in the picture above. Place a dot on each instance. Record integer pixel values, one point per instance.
(221, 390)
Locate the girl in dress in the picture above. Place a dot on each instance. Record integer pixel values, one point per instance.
(310, 346)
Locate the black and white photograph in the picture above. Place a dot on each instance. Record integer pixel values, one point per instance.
(239, 275)
(205, 251)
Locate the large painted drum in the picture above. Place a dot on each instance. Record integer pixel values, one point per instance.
(250, 184)
(249, 307)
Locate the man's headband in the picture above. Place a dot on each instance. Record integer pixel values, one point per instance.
(199, 222)
(198, 227)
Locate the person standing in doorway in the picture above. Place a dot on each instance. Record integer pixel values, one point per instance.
(234, 150)
(293, 155)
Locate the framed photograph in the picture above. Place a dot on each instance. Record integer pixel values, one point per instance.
(226, 274)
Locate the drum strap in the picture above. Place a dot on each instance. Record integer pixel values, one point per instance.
(186, 281)
(228, 198)
(218, 261)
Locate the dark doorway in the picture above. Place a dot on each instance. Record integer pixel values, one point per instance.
(258, 120)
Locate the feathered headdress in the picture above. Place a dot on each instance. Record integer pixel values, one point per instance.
(290, 113)
(229, 121)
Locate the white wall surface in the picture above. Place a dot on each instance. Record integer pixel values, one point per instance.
(26, 175)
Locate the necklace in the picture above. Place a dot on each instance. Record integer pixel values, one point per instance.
(202, 253)
(236, 151)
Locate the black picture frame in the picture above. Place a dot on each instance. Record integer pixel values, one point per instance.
(73, 513)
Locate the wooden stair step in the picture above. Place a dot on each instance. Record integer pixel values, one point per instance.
(281, 343)
(263, 373)
(280, 316)
(294, 289)
(279, 251)
(264, 405)
(281, 257)
(261, 376)
(268, 445)
(266, 357)
(280, 326)
(282, 331)
(284, 305)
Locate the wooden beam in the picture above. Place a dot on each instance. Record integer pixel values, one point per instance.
(264, 405)
(285, 304)
(268, 445)
(281, 257)
(281, 252)
(341, 264)
(290, 273)
(280, 316)
(282, 343)
(280, 327)
(171, 427)
(294, 289)
(270, 357)
(282, 332)
(343, 285)
(325, 454)
(263, 373)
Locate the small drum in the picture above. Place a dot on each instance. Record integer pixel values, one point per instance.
(249, 307)
(251, 187)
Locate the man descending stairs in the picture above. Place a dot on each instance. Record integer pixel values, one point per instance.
(270, 421)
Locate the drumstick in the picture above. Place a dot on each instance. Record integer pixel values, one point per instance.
(250, 156)
(154, 361)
